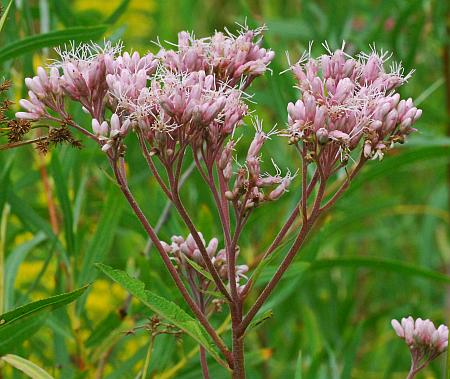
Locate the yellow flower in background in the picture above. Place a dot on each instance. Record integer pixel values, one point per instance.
(103, 298)
(137, 13)
(27, 273)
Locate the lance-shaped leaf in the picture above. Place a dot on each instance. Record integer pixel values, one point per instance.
(5, 15)
(258, 320)
(39, 41)
(164, 308)
(27, 367)
(199, 269)
(19, 324)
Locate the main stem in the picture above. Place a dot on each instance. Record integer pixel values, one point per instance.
(238, 354)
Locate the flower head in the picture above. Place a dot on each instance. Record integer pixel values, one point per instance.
(347, 100)
(424, 340)
(233, 59)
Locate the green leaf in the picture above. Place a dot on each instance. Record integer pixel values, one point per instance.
(263, 265)
(34, 221)
(13, 261)
(64, 202)
(399, 267)
(103, 238)
(104, 329)
(295, 270)
(36, 42)
(260, 319)
(164, 308)
(23, 330)
(26, 310)
(120, 10)
(11, 323)
(27, 367)
(64, 13)
(350, 353)
(216, 294)
(408, 156)
(5, 15)
(199, 269)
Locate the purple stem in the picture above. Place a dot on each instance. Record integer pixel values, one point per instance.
(168, 263)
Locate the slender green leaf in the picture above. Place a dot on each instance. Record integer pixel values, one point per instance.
(64, 202)
(103, 238)
(35, 222)
(260, 319)
(5, 15)
(4, 181)
(350, 354)
(23, 330)
(199, 269)
(392, 164)
(49, 303)
(12, 323)
(216, 294)
(13, 261)
(104, 329)
(27, 367)
(119, 11)
(64, 12)
(164, 308)
(36, 42)
(263, 267)
(373, 263)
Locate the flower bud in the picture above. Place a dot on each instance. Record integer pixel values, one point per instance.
(115, 124)
(322, 136)
(27, 116)
(256, 145)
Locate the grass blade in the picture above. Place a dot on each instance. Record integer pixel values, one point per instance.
(119, 11)
(14, 323)
(5, 15)
(27, 367)
(36, 42)
(64, 202)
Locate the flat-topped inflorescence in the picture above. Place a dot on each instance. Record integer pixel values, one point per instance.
(189, 95)
(349, 104)
(233, 59)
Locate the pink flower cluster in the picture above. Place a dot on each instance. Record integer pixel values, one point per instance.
(232, 59)
(184, 108)
(112, 133)
(83, 79)
(181, 248)
(44, 91)
(347, 100)
(177, 97)
(424, 341)
(127, 75)
(422, 335)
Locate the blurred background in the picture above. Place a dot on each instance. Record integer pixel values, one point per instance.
(381, 253)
